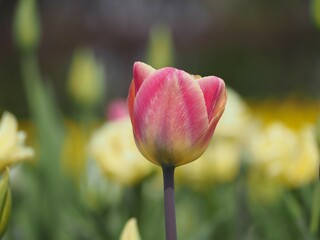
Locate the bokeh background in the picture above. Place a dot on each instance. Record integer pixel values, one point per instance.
(261, 49)
(65, 69)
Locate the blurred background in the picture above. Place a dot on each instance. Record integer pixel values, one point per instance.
(65, 70)
(261, 49)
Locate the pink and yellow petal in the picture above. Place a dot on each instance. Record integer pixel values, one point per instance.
(140, 72)
(212, 88)
(217, 113)
(171, 113)
(220, 104)
(147, 153)
(130, 101)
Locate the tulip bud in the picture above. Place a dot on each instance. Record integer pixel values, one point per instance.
(26, 25)
(173, 113)
(5, 202)
(12, 147)
(86, 78)
(130, 230)
(160, 50)
(315, 12)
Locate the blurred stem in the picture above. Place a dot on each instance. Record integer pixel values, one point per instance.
(133, 199)
(296, 213)
(315, 210)
(169, 205)
(48, 176)
(242, 209)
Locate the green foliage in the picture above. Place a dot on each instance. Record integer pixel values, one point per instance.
(49, 204)
(5, 202)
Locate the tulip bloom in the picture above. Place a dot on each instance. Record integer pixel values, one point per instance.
(130, 230)
(12, 143)
(173, 113)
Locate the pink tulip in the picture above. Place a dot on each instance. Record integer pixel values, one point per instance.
(173, 113)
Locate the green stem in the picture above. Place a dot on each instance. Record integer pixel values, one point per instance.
(315, 210)
(169, 205)
(296, 213)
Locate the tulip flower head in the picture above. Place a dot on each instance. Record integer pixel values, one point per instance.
(173, 113)
(113, 141)
(12, 142)
(130, 230)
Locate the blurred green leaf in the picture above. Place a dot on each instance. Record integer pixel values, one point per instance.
(52, 188)
(315, 210)
(5, 202)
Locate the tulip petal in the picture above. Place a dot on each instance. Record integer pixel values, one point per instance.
(130, 100)
(147, 154)
(130, 230)
(140, 72)
(216, 115)
(219, 104)
(8, 136)
(212, 88)
(170, 115)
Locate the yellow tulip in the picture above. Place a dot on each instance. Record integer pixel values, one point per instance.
(130, 231)
(287, 156)
(86, 78)
(26, 25)
(113, 147)
(236, 118)
(220, 163)
(160, 50)
(74, 150)
(12, 142)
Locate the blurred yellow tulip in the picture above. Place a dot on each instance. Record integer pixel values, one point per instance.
(236, 118)
(160, 49)
(86, 78)
(287, 156)
(74, 152)
(294, 113)
(220, 163)
(113, 147)
(130, 230)
(26, 25)
(12, 142)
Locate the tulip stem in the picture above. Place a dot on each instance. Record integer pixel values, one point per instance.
(169, 205)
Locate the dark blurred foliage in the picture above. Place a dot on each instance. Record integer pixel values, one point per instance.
(261, 48)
